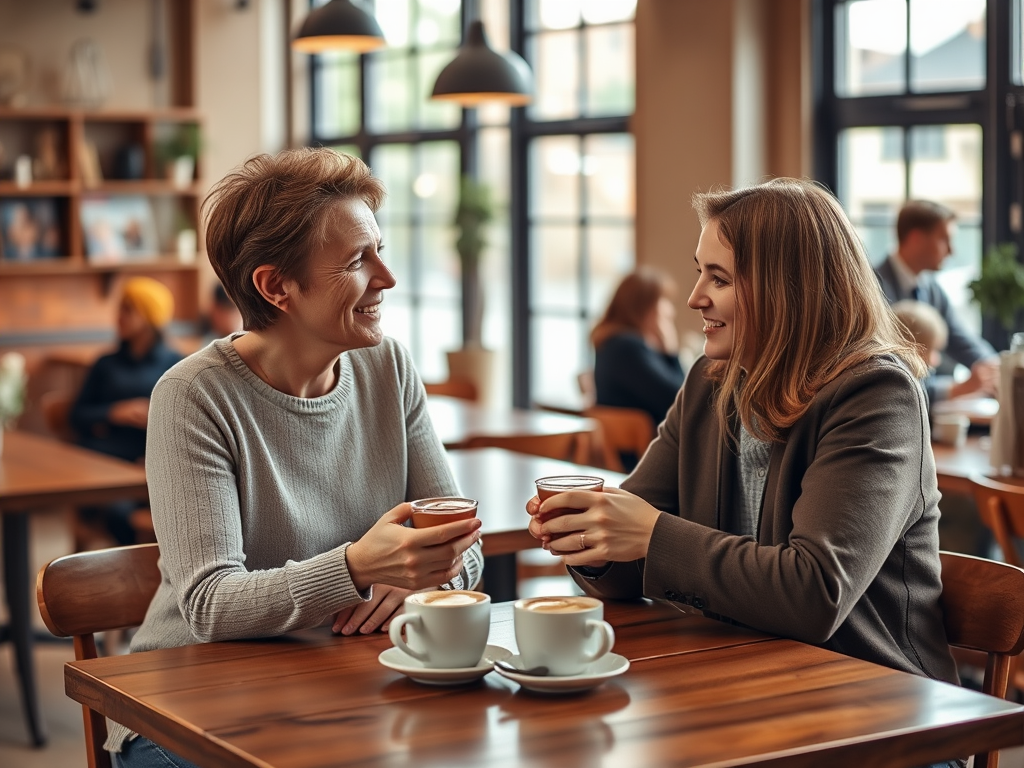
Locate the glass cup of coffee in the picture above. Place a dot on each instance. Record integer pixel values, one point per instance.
(444, 628)
(549, 486)
(564, 634)
(440, 510)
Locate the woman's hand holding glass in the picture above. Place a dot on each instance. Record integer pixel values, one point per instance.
(591, 528)
(410, 558)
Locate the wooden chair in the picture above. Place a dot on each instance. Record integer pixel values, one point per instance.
(983, 610)
(99, 591)
(570, 446)
(1001, 509)
(454, 387)
(56, 410)
(622, 430)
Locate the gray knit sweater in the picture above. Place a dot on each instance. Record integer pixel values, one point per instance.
(256, 494)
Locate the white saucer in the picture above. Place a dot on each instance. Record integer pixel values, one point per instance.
(609, 665)
(400, 661)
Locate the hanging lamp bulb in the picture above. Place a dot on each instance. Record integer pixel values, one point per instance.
(478, 74)
(338, 26)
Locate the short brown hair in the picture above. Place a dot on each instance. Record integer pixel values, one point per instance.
(921, 214)
(273, 210)
(808, 305)
(637, 294)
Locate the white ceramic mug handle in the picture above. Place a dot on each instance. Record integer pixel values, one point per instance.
(607, 638)
(395, 633)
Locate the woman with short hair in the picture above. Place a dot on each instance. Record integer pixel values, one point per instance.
(281, 460)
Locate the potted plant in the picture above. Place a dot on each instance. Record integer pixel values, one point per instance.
(999, 289)
(179, 152)
(474, 210)
(12, 389)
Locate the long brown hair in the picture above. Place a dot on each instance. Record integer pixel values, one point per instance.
(808, 305)
(634, 299)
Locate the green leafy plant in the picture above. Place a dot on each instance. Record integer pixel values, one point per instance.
(12, 387)
(475, 209)
(999, 290)
(184, 141)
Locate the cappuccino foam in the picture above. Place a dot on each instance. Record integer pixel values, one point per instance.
(558, 605)
(448, 597)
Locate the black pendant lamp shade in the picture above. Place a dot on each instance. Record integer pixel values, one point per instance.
(338, 26)
(478, 74)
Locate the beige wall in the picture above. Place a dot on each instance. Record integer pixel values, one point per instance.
(721, 101)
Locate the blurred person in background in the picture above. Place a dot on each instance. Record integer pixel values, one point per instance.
(924, 231)
(111, 410)
(636, 346)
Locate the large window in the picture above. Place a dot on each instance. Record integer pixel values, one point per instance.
(560, 172)
(917, 101)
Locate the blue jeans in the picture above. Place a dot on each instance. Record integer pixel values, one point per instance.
(140, 752)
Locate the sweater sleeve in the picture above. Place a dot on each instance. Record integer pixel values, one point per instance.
(196, 514)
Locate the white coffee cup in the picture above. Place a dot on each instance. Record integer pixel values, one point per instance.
(564, 634)
(950, 429)
(446, 629)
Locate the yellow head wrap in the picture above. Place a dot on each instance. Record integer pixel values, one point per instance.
(153, 300)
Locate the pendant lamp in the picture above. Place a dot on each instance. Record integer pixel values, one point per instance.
(479, 74)
(338, 26)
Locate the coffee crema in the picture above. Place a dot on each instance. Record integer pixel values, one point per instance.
(430, 512)
(448, 597)
(559, 604)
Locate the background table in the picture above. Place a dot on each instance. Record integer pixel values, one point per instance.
(38, 472)
(503, 481)
(698, 692)
(456, 421)
(954, 466)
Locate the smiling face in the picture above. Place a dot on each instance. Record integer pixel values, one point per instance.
(714, 295)
(346, 280)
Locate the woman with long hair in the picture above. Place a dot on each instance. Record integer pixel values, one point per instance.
(636, 347)
(791, 487)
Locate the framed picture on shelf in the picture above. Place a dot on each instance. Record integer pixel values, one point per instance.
(119, 228)
(29, 228)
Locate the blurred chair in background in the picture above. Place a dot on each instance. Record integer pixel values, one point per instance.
(454, 387)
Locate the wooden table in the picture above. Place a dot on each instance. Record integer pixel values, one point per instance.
(38, 472)
(698, 692)
(456, 421)
(954, 466)
(503, 481)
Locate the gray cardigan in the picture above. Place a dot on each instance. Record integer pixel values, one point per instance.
(256, 494)
(846, 552)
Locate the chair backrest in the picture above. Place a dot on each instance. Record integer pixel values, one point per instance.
(573, 447)
(455, 386)
(97, 591)
(56, 409)
(622, 430)
(983, 610)
(1001, 508)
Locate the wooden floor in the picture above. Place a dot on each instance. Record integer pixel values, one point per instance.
(66, 748)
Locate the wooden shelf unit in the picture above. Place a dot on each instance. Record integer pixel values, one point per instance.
(109, 133)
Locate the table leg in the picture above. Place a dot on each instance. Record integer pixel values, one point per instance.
(16, 579)
(500, 577)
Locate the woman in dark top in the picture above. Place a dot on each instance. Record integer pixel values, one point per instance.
(110, 413)
(636, 361)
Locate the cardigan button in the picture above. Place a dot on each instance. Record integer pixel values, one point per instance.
(669, 594)
(697, 603)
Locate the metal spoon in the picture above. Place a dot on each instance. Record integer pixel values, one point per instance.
(535, 671)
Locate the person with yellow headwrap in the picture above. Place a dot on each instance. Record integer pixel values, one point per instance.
(110, 413)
